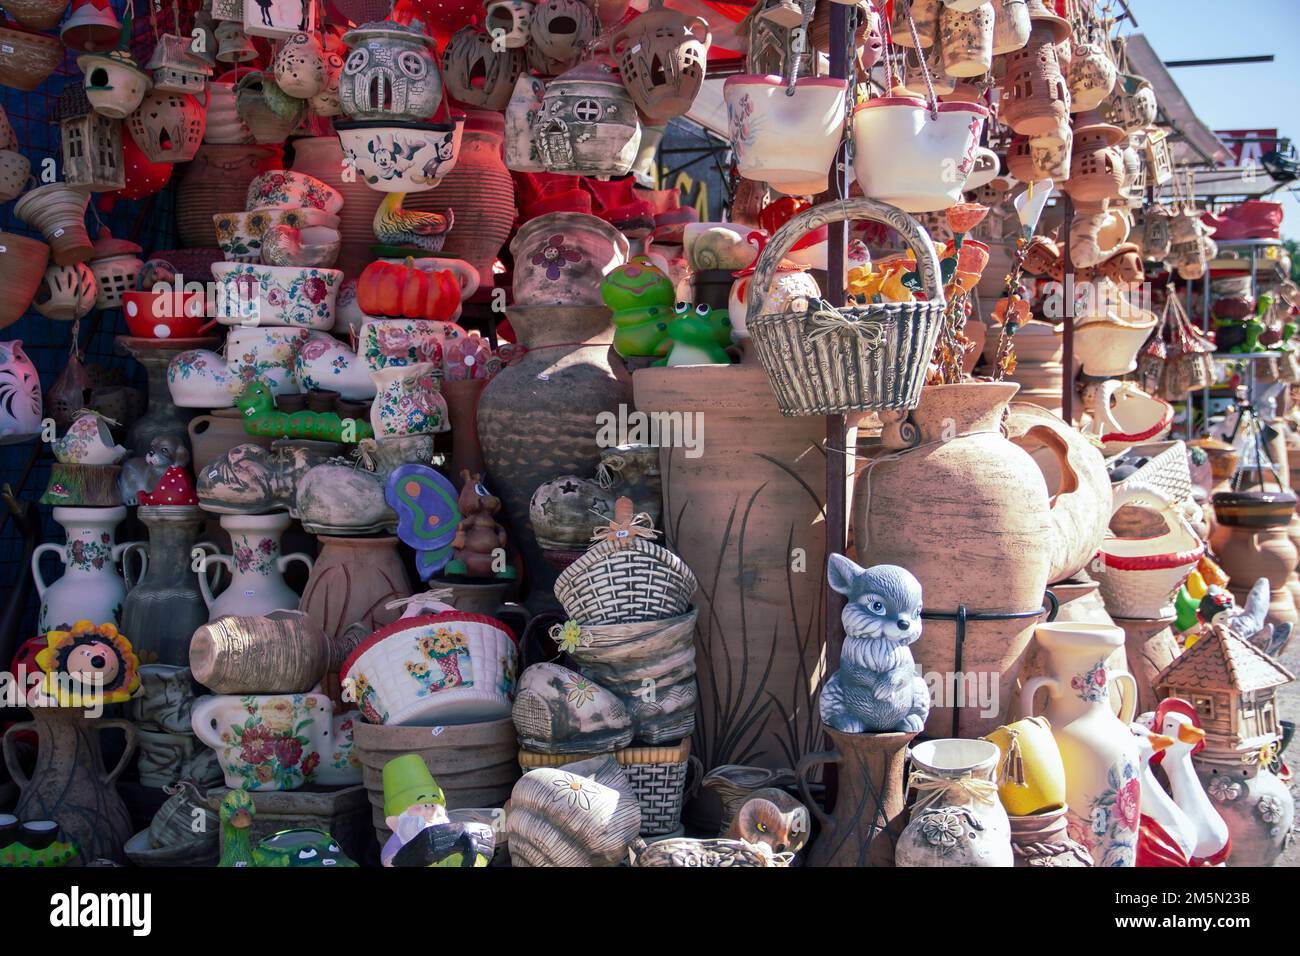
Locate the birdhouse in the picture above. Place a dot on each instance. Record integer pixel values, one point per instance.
(92, 143)
(175, 68)
(115, 265)
(1232, 684)
(588, 124)
(1035, 98)
(168, 127)
(390, 73)
(478, 75)
(562, 29)
(662, 58)
(113, 82)
(772, 46)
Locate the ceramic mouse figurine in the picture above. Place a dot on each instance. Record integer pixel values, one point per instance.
(876, 688)
(143, 475)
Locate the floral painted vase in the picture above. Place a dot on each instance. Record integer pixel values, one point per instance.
(91, 588)
(265, 742)
(256, 567)
(408, 401)
(1097, 748)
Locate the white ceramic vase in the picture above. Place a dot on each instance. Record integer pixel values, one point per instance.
(91, 588)
(256, 568)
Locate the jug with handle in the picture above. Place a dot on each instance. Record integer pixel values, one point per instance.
(91, 588)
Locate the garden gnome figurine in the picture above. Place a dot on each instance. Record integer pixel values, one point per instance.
(416, 811)
(876, 689)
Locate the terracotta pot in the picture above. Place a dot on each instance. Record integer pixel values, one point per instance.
(37, 14)
(560, 259)
(462, 397)
(868, 818)
(27, 59)
(211, 436)
(283, 652)
(566, 385)
(59, 213)
(22, 266)
(351, 581)
(322, 157)
(1248, 554)
(735, 506)
(994, 511)
(216, 181)
(161, 613)
(1043, 839)
(70, 785)
(480, 191)
(474, 764)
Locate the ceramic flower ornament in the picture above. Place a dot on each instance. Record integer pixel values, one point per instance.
(95, 658)
(1031, 203)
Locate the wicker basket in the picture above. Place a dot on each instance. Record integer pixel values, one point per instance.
(1166, 469)
(704, 853)
(867, 358)
(632, 584)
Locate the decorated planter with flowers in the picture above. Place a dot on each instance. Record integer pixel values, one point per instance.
(787, 141)
(265, 742)
(286, 189)
(240, 234)
(277, 295)
(408, 401)
(560, 259)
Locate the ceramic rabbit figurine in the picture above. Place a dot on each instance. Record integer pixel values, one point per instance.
(876, 688)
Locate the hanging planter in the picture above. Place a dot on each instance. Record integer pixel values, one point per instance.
(588, 124)
(663, 56)
(300, 66)
(59, 212)
(787, 140)
(27, 59)
(477, 74)
(266, 125)
(390, 74)
(560, 30)
(168, 127)
(967, 40)
(397, 157)
(1092, 74)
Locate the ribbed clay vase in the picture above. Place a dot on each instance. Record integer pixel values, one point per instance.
(968, 513)
(216, 181)
(322, 157)
(743, 500)
(351, 581)
(566, 378)
(480, 191)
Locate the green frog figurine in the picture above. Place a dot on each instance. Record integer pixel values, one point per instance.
(697, 335)
(641, 297)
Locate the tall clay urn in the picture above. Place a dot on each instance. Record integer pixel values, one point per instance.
(742, 490)
(539, 417)
(967, 512)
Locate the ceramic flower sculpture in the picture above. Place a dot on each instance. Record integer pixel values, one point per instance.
(88, 662)
(297, 847)
(416, 812)
(876, 688)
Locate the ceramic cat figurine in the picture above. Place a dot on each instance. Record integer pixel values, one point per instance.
(876, 688)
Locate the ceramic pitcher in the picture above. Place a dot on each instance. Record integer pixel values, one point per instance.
(1100, 757)
(91, 588)
(256, 567)
(266, 741)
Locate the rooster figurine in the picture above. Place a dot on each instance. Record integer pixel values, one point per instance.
(395, 226)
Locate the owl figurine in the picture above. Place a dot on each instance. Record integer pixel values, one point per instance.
(772, 817)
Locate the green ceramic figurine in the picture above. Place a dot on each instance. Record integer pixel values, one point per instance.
(298, 847)
(257, 404)
(641, 298)
(416, 811)
(696, 336)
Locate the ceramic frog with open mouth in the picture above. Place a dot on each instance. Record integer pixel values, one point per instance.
(296, 847)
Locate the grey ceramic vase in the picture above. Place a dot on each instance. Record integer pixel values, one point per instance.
(161, 613)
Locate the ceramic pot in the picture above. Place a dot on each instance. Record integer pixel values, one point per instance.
(785, 141)
(265, 742)
(58, 212)
(326, 364)
(15, 168)
(956, 818)
(1248, 554)
(525, 104)
(868, 818)
(1035, 99)
(1096, 163)
(474, 764)
(1011, 25)
(568, 385)
(70, 784)
(91, 588)
(252, 236)
(215, 182)
(995, 503)
(160, 613)
(735, 506)
(561, 257)
(338, 498)
(255, 565)
(352, 581)
(662, 60)
(1257, 807)
(1150, 646)
(1121, 415)
(432, 151)
(280, 295)
(573, 139)
(1043, 839)
(280, 652)
(20, 393)
(1097, 748)
(966, 38)
(22, 265)
(225, 127)
(1091, 76)
(27, 59)
(211, 436)
(408, 401)
(322, 158)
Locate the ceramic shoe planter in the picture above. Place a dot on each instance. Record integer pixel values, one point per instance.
(560, 259)
(337, 498)
(785, 141)
(240, 235)
(325, 363)
(252, 480)
(587, 124)
(559, 711)
(265, 742)
(255, 565)
(277, 295)
(592, 822)
(91, 588)
(1140, 576)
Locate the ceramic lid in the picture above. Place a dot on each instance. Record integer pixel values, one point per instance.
(106, 245)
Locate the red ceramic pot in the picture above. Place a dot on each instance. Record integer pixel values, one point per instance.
(165, 315)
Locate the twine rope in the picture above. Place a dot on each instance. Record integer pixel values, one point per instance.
(968, 787)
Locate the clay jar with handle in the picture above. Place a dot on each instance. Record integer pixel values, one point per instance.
(256, 567)
(70, 784)
(1097, 748)
(868, 818)
(91, 588)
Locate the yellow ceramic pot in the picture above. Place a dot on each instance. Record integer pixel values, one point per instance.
(1031, 776)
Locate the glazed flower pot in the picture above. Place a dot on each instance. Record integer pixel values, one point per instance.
(352, 581)
(164, 315)
(785, 141)
(284, 651)
(429, 151)
(956, 818)
(240, 234)
(266, 742)
(200, 378)
(277, 295)
(561, 257)
(255, 565)
(160, 613)
(22, 264)
(908, 159)
(1140, 577)
(91, 588)
(1097, 748)
(58, 212)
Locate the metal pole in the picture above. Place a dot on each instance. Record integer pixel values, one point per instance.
(1067, 333)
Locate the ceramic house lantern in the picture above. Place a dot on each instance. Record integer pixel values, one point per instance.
(327, 101)
(508, 22)
(175, 68)
(1035, 98)
(521, 112)
(115, 264)
(477, 73)
(1132, 103)
(300, 66)
(662, 56)
(562, 29)
(114, 83)
(390, 73)
(92, 143)
(1092, 73)
(168, 127)
(588, 124)
(967, 40)
(1096, 163)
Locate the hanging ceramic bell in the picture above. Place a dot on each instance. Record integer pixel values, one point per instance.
(92, 27)
(233, 45)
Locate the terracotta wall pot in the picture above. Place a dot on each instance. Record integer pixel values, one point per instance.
(22, 265)
(474, 764)
(59, 213)
(351, 581)
(733, 512)
(993, 511)
(279, 653)
(70, 784)
(566, 385)
(216, 181)
(868, 818)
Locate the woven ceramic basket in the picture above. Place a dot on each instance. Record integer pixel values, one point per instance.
(1140, 576)
(1166, 469)
(628, 585)
(852, 359)
(683, 852)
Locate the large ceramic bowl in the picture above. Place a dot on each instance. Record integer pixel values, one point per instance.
(257, 295)
(448, 668)
(401, 157)
(284, 189)
(239, 234)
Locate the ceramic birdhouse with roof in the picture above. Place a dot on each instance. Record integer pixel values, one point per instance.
(114, 82)
(477, 73)
(390, 73)
(175, 68)
(91, 143)
(772, 45)
(168, 127)
(1233, 686)
(588, 124)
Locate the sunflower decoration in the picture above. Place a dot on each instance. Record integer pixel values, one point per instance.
(626, 526)
(88, 662)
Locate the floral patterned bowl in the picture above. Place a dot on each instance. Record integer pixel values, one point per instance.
(448, 668)
(282, 189)
(257, 295)
(239, 234)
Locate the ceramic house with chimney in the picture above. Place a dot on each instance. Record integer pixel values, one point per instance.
(92, 143)
(175, 68)
(1232, 684)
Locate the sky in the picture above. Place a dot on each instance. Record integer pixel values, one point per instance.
(1237, 96)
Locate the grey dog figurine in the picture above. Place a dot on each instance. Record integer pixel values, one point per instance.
(876, 689)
